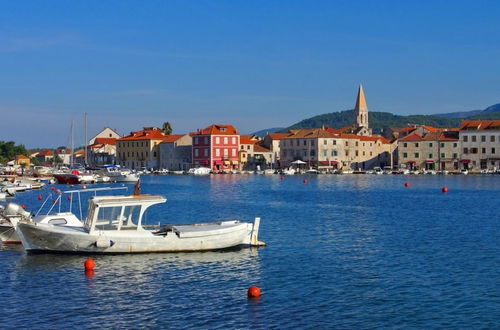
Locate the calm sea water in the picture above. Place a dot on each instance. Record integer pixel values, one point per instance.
(345, 252)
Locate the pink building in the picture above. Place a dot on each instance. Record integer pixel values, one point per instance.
(216, 147)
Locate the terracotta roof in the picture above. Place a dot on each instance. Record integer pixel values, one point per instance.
(217, 130)
(479, 125)
(46, 153)
(411, 137)
(110, 141)
(172, 138)
(21, 157)
(148, 134)
(277, 136)
(259, 148)
(310, 133)
(245, 139)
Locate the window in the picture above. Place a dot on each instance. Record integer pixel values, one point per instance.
(217, 152)
(356, 153)
(363, 153)
(455, 156)
(334, 142)
(430, 145)
(196, 140)
(233, 139)
(226, 140)
(305, 153)
(313, 153)
(405, 145)
(347, 143)
(205, 152)
(473, 150)
(233, 152)
(466, 150)
(217, 140)
(442, 144)
(455, 145)
(473, 138)
(483, 138)
(298, 143)
(417, 155)
(405, 155)
(492, 138)
(416, 145)
(325, 153)
(483, 150)
(312, 143)
(196, 152)
(430, 156)
(356, 143)
(325, 142)
(466, 138)
(492, 150)
(305, 142)
(226, 153)
(347, 152)
(442, 155)
(371, 153)
(334, 153)
(206, 139)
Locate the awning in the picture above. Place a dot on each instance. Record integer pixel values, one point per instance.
(235, 162)
(227, 162)
(430, 161)
(465, 161)
(218, 162)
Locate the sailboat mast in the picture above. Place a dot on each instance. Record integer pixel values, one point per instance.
(86, 140)
(72, 146)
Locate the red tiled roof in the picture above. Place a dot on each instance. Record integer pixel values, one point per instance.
(21, 157)
(259, 148)
(278, 136)
(110, 141)
(172, 138)
(46, 153)
(479, 125)
(245, 139)
(149, 134)
(217, 130)
(411, 137)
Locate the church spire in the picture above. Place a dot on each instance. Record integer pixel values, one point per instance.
(361, 110)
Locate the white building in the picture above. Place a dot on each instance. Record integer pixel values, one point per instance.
(480, 144)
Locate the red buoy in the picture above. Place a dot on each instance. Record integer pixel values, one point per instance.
(40, 197)
(305, 181)
(253, 292)
(23, 206)
(89, 264)
(445, 190)
(52, 188)
(69, 198)
(407, 184)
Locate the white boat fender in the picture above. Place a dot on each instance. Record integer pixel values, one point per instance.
(103, 243)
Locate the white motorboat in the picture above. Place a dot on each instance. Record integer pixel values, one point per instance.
(114, 225)
(118, 174)
(199, 171)
(289, 171)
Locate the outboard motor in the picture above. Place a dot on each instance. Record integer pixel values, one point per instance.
(13, 209)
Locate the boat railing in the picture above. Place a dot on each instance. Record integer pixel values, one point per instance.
(78, 192)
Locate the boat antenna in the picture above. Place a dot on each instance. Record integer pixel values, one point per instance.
(137, 188)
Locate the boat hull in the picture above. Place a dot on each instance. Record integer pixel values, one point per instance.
(8, 234)
(67, 178)
(47, 238)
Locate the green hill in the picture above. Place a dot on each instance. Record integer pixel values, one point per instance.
(382, 120)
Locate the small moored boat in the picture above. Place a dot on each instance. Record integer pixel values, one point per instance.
(114, 225)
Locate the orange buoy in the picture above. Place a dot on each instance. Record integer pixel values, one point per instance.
(444, 189)
(305, 181)
(40, 197)
(407, 184)
(89, 264)
(253, 292)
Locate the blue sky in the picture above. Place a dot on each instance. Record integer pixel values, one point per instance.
(253, 64)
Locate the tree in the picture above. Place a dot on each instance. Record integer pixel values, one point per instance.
(167, 128)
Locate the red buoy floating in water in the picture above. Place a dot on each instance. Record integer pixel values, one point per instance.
(40, 197)
(52, 188)
(253, 292)
(407, 184)
(305, 181)
(89, 264)
(444, 189)
(23, 206)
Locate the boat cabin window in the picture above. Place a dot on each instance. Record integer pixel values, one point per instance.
(58, 221)
(118, 217)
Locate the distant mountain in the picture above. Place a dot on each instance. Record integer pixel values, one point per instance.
(268, 130)
(472, 113)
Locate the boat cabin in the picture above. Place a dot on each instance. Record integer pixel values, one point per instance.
(119, 212)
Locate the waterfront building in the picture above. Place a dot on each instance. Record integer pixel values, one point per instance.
(480, 144)
(176, 152)
(253, 155)
(272, 142)
(330, 148)
(45, 157)
(101, 149)
(22, 160)
(216, 147)
(140, 149)
(64, 154)
(430, 149)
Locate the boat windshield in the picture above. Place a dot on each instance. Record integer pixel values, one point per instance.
(117, 217)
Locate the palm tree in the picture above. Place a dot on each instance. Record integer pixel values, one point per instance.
(167, 128)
